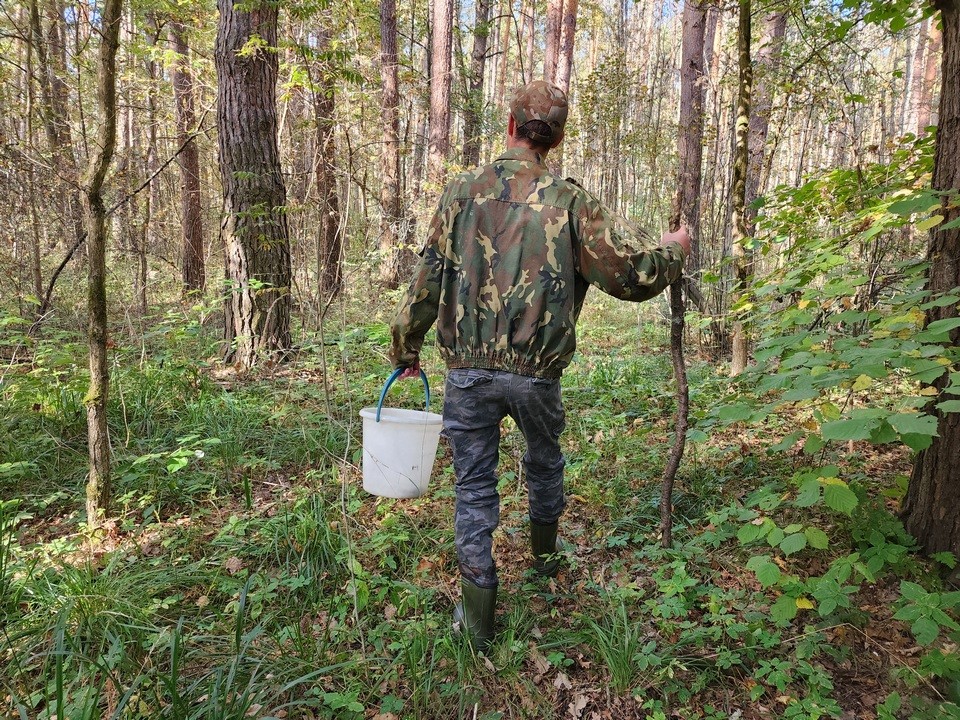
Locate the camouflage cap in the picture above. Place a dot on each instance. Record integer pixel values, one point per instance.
(539, 100)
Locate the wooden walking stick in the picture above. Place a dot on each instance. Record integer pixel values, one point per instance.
(677, 308)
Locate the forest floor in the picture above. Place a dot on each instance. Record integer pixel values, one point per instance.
(243, 571)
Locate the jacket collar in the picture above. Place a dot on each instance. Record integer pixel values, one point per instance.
(523, 155)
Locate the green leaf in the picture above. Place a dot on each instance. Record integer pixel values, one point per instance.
(943, 326)
(912, 591)
(750, 533)
(856, 429)
(925, 630)
(917, 443)
(784, 609)
(838, 496)
(930, 222)
(949, 406)
(767, 571)
(817, 538)
(809, 494)
(883, 433)
(793, 543)
(735, 413)
(813, 444)
(914, 424)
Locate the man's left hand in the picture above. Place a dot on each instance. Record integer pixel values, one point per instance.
(412, 371)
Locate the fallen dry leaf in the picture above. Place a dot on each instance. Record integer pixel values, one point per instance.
(233, 564)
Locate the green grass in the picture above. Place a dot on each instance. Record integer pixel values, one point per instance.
(245, 574)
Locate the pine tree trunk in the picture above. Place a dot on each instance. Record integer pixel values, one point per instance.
(739, 341)
(567, 35)
(98, 438)
(933, 495)
(254, 226)
(925, 111)
(194, 275)
(441, 41)
(551, 40)
(473, 108)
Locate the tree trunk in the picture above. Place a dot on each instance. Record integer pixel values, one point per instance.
(473, 108)
(767, 65)
(390, 162)
(686, 210)
(567, 34)
(551, 41)
(331, 242)
(738, 361)
(441, 41)
(924, 111)
(933, 495)
(529, 25)
(95, 213)
(189, 160)
(254, 226)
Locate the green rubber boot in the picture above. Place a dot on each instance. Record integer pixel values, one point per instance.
(476, 613)
(545, 545)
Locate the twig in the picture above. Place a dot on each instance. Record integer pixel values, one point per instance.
(42, 313)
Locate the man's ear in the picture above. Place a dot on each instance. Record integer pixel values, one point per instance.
(512, 126)
(557, 141)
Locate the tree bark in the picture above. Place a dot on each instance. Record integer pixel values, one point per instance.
(924, 111)
(254, 226)
(551, 40)
(441, 41)
(686, 207)
(767, 65)
(98, 438)
(473, 108)
(739, 341)
(567, 35)
(390, 158)
(324, 171)
(194, 274)
(933, 495)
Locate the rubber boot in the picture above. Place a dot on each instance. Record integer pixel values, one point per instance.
(545, 545)
(475, 614)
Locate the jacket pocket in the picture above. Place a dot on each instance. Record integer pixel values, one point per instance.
(468, 378)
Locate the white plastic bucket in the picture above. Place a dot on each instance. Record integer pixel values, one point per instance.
(399, 448)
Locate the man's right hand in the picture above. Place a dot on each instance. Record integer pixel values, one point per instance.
(681, 237)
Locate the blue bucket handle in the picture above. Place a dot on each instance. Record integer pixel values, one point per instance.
(390, 380)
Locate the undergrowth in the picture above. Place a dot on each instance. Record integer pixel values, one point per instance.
(245, 574)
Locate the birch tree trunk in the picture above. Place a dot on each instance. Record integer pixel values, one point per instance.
(191, 222)
(738, 361)
(933, 495)
(94, 211)
(254, 226)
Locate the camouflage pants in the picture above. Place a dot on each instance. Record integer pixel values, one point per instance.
(475, 401)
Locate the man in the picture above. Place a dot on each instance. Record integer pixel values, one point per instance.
(509, 256)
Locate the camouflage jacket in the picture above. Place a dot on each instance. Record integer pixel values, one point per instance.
(508, 259)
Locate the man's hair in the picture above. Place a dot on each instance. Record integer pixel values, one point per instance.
(533, 131)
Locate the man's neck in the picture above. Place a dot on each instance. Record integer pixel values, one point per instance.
(515, 142)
